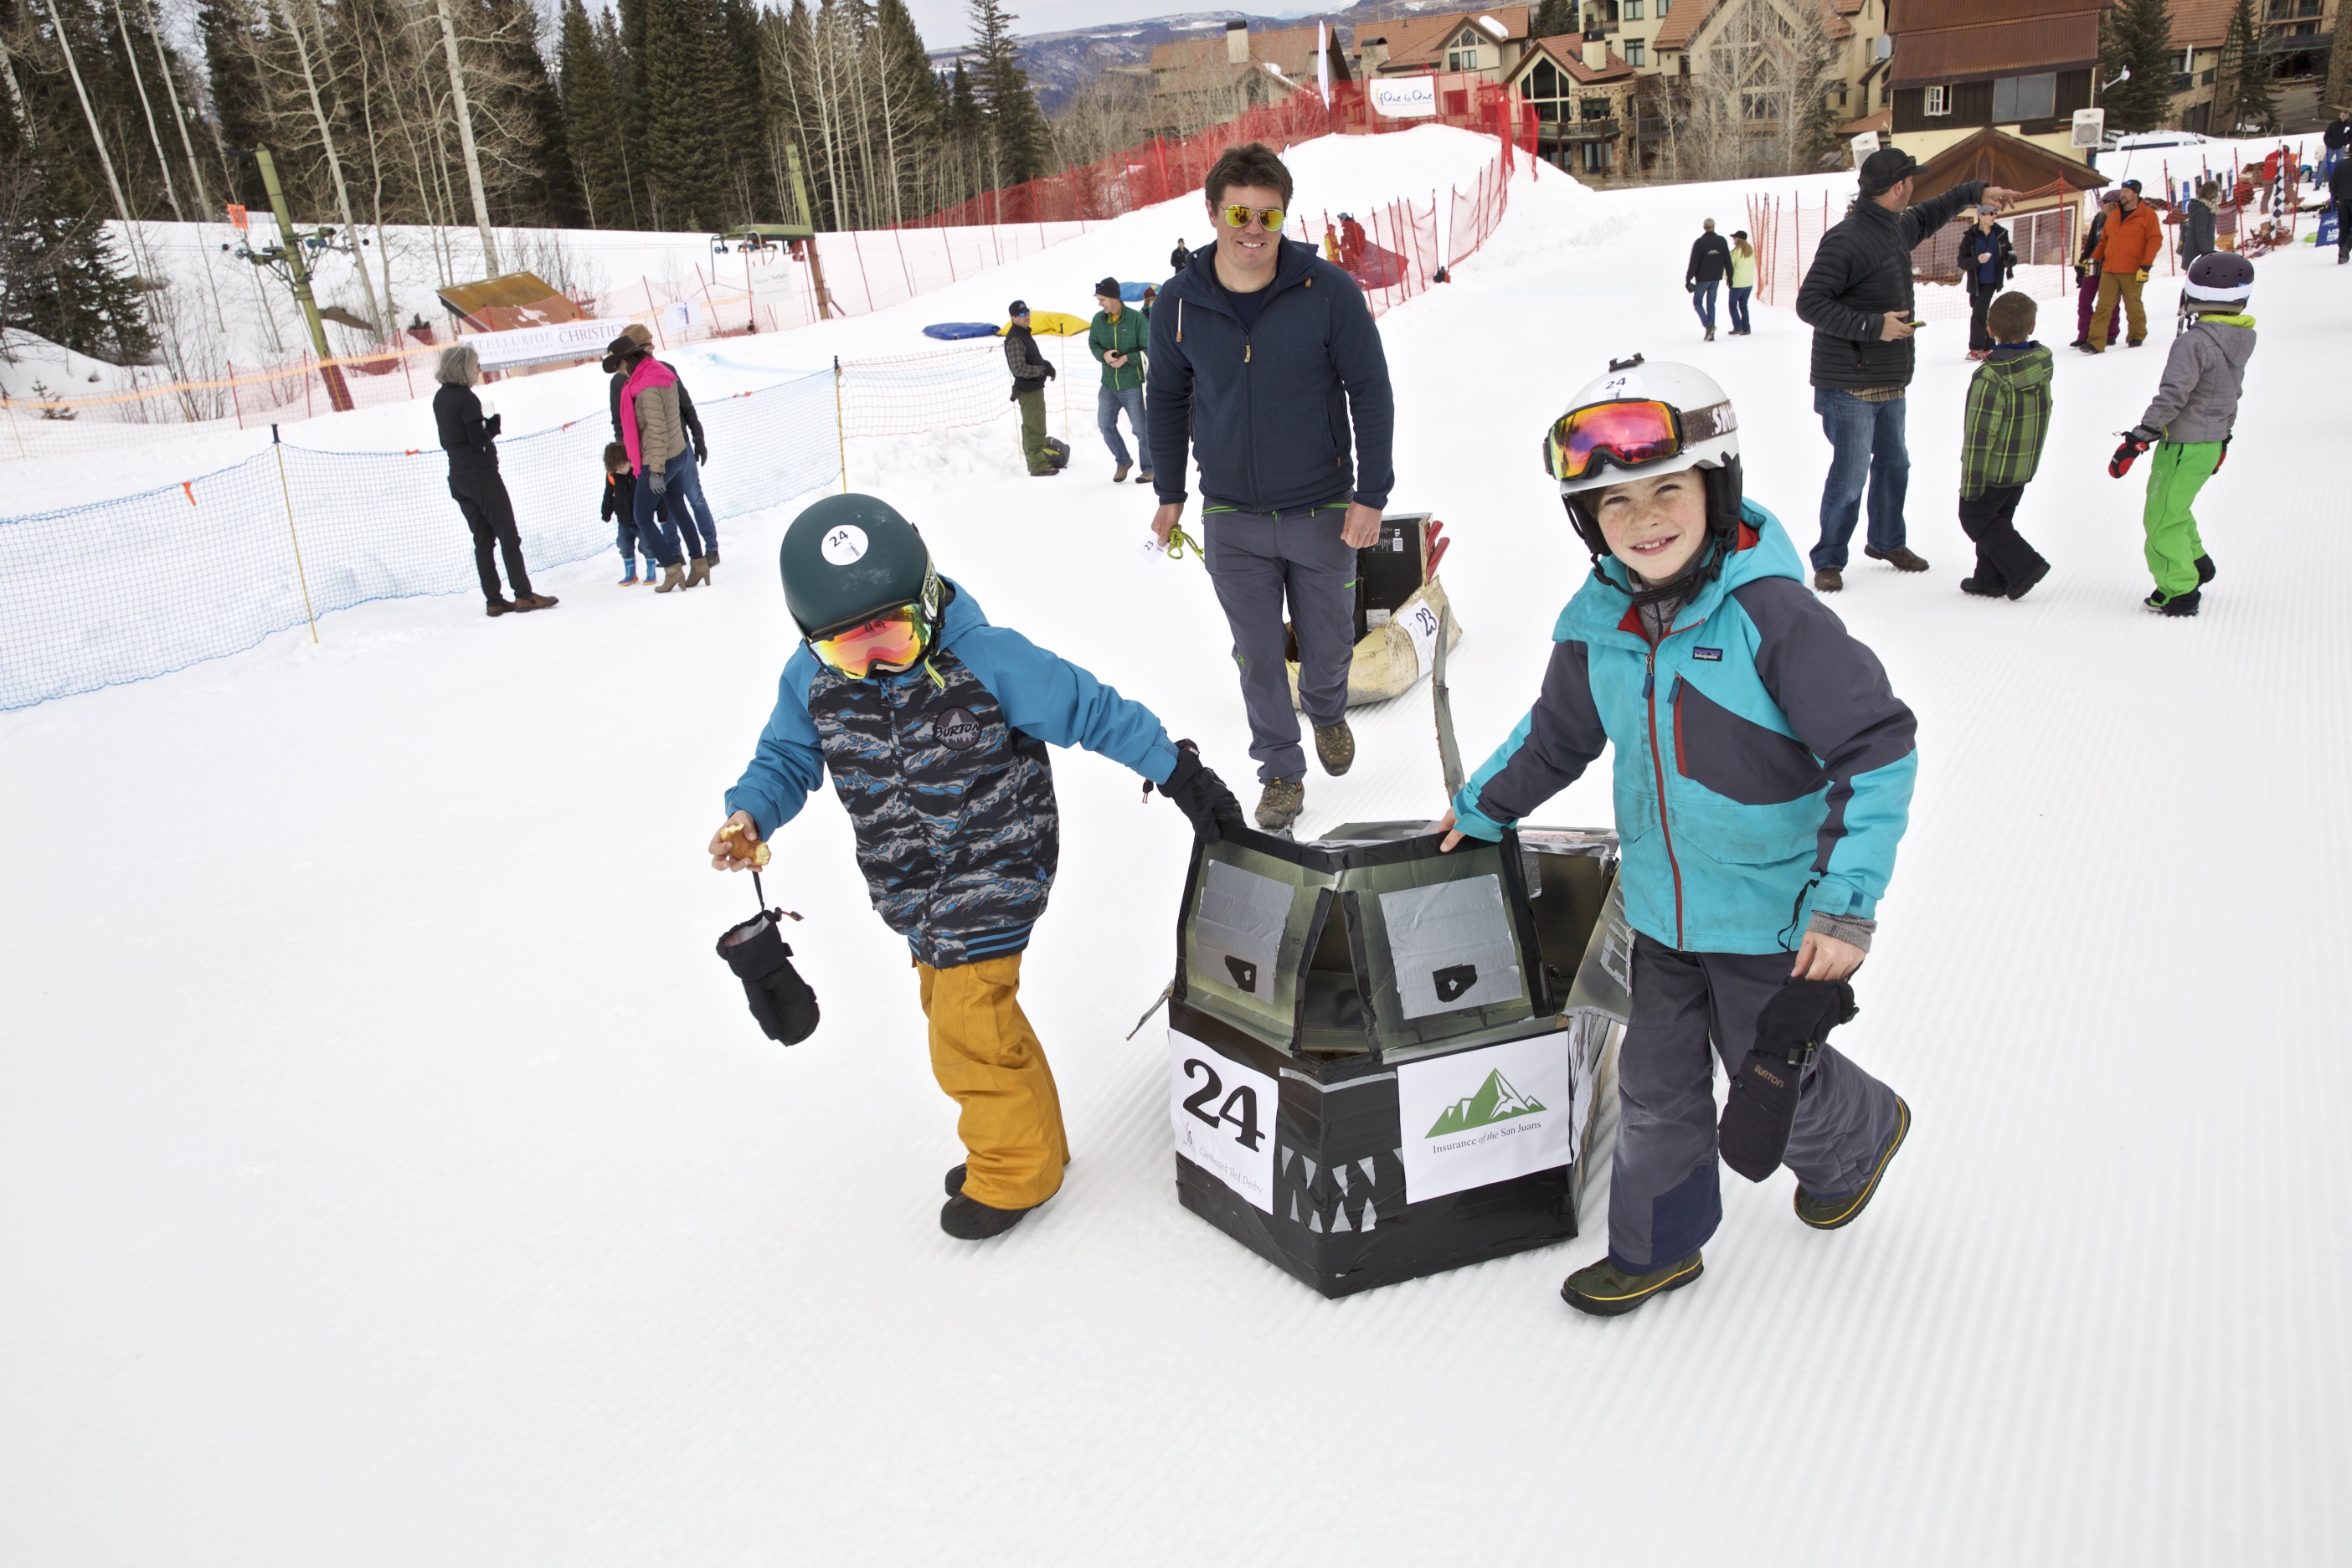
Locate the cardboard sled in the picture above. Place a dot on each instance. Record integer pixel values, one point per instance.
(1399, 608)
(1385, 1062)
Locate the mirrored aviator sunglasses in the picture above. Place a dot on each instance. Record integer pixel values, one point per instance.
(894, 638)
(1238, 216)
(1629, 435)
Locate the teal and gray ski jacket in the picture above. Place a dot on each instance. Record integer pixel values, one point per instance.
(1764, 765)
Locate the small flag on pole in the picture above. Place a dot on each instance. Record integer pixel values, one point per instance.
(1323, 60)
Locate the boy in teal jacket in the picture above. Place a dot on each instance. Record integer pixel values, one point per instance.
(1763, 779)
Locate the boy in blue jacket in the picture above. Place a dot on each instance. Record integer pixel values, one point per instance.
(934, 725)
(1763, 779)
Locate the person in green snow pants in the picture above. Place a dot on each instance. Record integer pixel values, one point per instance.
(2179, 471)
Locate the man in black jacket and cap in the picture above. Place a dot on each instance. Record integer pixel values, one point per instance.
(1857, 298)
(1710, 258)
(1031, 371)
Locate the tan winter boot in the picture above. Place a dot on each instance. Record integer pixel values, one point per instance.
(700, 574)
(672, 577)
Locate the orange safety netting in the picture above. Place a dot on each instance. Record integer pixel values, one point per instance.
(1166, 168)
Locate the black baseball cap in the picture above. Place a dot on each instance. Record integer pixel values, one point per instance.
(2132, 185)
(1018, 307)
(1886, 169)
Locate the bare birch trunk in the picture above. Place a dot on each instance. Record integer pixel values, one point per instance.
(465, 139)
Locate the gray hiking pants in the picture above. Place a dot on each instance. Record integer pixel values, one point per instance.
(1663, 1196)
(1257, 560)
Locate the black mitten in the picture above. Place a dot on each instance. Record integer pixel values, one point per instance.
(1762, 1105)
(780, 999)
(1199, 794)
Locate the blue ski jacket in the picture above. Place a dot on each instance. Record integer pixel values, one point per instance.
(1268, 410)
(944, 773)
(1764, 765)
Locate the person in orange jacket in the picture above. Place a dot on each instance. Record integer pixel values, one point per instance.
(2132, 241)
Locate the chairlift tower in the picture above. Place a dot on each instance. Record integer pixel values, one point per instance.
(287, 259)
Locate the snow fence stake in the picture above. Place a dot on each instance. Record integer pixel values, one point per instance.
(840, 431)
(299, 575)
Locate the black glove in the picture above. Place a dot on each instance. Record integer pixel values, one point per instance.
(492, 425)
(1762, 1105)
(701, 456)
(780, 999)
(1199, 794)
(2135, 441)
(1051, 373)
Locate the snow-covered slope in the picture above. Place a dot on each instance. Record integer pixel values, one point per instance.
(389, 1173)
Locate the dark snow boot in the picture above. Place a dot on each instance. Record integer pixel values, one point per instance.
(2178, 604)
(2204, 569)
(2020, 583)
(955, 1181)
(967, 1219)
(1829, 1213)
(1981, 588)
(1335, 747)
(1605, 1291)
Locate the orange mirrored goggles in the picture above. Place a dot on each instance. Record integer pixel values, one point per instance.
(894, 638)
(1632, 434)
(1238, 216)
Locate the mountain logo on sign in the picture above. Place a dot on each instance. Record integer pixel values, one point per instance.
(1495, 1101)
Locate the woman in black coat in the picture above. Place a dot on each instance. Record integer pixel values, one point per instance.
(471, 440)
(1987, 264)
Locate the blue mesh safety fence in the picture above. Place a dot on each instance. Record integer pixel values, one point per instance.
(207, 567)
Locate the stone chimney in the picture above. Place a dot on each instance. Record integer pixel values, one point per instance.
(1374, 54)
(1596, 51)
(1237, 43)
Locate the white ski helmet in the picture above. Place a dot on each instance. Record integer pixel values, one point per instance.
(1707, 428)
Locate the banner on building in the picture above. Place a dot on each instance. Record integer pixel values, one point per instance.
(1405, 98)
(544, 345)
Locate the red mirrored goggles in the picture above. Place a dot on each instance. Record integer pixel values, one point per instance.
(1632, 433)
(894, 638)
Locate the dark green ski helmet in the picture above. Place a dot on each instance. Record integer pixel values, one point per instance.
(846, 557)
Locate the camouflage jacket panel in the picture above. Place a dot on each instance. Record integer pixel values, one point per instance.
(958, 833)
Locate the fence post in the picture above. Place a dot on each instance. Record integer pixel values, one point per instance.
(840, 425)
(299, 575)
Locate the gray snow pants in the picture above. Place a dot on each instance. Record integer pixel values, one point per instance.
(1663, 1196)
(1257, 560)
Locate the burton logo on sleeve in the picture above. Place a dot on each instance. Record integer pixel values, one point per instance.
(1495, 1101)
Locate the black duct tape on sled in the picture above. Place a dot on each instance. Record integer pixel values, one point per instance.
(1385, 1062)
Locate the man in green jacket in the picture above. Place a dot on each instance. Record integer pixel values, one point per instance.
(1118, 338)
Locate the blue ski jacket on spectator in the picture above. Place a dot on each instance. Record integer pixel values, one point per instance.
(944, 773)
(1269, 409)
(1764, 765)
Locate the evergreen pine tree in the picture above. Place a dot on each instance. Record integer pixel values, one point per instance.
(1554, 18)
(2136, 36)
(1015, 125)
(60, 277)
(2242, 93)
(240, 109)
(592, 113)
(622, 72)
(550, 191)
(685, 156)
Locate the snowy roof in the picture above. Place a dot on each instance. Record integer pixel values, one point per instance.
(1422, 40)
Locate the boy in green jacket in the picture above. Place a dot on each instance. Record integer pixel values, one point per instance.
(1118, 338)
(2007, 418)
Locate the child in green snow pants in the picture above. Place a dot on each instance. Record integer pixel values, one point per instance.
(2179, 472)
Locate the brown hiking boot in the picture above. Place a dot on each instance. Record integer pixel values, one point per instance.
(534, 602)
(1900, 557)
(1279, 806)
(1335, 747)
(700, 573)
(673, 577)
(1828, 579)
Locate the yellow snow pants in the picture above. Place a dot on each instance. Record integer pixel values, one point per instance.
(988, 1060)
